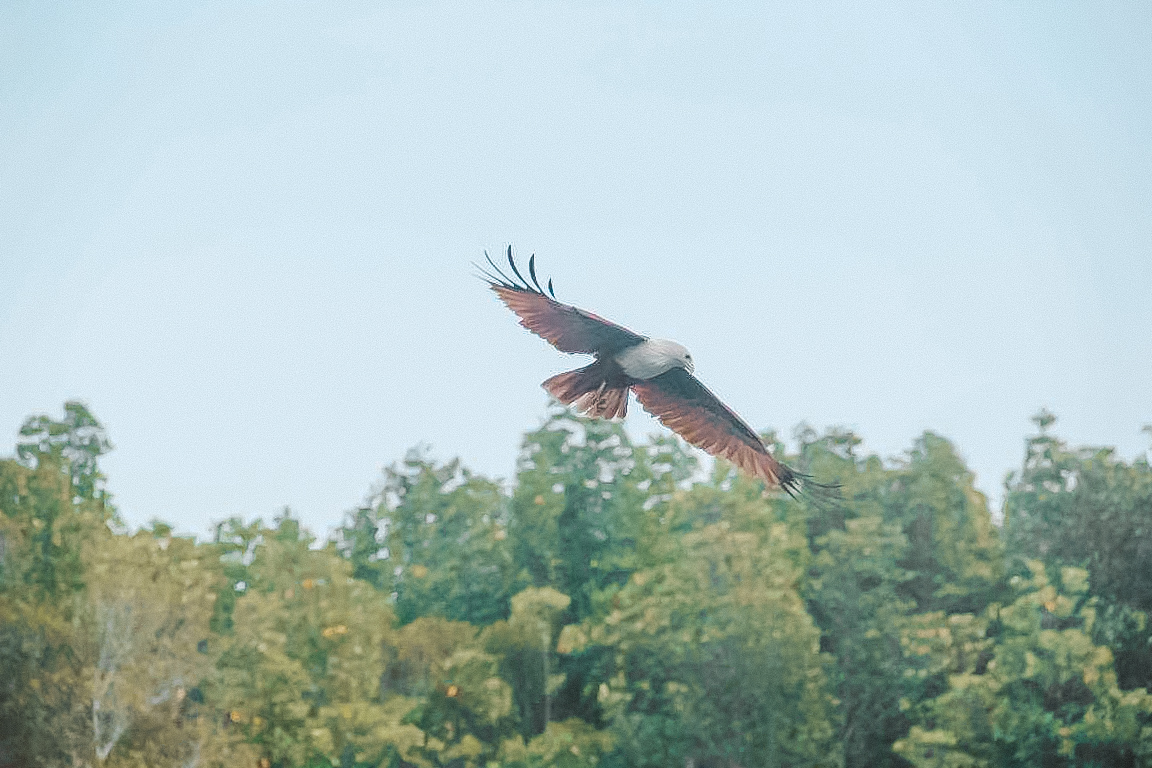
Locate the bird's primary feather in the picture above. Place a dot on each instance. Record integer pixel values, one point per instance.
(683, 404)
(565, 327)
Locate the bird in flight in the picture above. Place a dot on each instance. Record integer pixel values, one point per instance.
(657, 370)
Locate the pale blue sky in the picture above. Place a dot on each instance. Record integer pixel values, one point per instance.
(242, 231)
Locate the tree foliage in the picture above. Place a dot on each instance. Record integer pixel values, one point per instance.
(614, 605)
(1087, 508)
(435, 536)
(1026, 685)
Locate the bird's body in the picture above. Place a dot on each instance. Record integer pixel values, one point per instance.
(601, 389)
(658, 371)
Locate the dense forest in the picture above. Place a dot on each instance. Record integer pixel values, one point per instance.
(611, 606)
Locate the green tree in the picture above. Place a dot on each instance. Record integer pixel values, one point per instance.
(714, 659)
(1088, 508)
(579, 521)
(61, 498)
(853, 594)
(463, 708)
(1027, 686)
(954, 554)
(43, 703)
(300, 669)
(103, 668)
(910, 535)
(526, 643)
(435, 536)
(51, 506)
(954, 559)
(572, 743)
(590, 508)
(147, 610)
(74, 445)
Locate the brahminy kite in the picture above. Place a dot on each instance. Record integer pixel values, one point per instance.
(657, 370)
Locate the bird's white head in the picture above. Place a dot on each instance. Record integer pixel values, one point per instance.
(687, 361)
(675, 353)
(653, 357)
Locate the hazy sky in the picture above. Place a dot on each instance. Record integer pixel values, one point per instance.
(241, 232)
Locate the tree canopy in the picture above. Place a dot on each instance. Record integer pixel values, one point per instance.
(612, 605)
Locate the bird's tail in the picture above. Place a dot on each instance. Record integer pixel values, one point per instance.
(592, 390)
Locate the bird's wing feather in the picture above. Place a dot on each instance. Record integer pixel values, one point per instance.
(567, 328)
(688, 408)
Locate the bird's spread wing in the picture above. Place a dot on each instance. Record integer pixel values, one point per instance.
(688, 408)
(567, 328)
